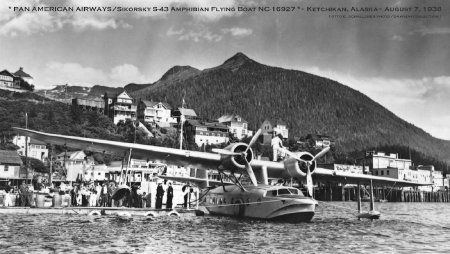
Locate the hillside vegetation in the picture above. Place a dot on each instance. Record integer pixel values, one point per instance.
(307, 103)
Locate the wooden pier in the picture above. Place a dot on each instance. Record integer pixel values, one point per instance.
(337, 193)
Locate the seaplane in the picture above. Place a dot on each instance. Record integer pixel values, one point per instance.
(256, 199)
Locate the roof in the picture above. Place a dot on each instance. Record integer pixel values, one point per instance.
(6, 72)
(187, 112)
(280, 122)
(215, 125)
(37, 142)
(74, 155)
(22, 74)
(230, 118)
(154, 103)
(10, 157)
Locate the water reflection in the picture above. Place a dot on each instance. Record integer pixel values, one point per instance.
(403, 228)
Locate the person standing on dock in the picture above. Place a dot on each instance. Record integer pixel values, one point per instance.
(7, 198)
(23, 190)
(159, 196)
(169, 196)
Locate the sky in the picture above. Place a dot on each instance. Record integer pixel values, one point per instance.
(401, 63)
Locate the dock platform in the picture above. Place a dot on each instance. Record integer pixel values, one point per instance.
(123, 211)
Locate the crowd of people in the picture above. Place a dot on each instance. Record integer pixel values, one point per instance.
(91, 194)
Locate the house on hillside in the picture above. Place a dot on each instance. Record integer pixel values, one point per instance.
(319, 141)
(10, 163)
(120, 107)
(95, 104)
(270, 129)
(36, 149)
(237, 125)
(9, 80)
(24, 76)
(186, 112)
(206, 133)
(155, 113)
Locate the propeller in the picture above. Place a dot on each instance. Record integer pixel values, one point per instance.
(243, 154)
(309, 182)
(250, 172)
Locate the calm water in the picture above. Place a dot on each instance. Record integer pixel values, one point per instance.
(403, 228)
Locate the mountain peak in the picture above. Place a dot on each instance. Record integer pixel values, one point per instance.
(179, 72)
(236, 61)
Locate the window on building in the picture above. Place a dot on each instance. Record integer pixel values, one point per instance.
(376, 173)
(387, 172)
(6, 168)
(382, 172)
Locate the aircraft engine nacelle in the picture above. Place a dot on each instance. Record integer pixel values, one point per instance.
(298, 169)
(232, 162)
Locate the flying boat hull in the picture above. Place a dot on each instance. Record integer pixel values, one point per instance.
(255, 203)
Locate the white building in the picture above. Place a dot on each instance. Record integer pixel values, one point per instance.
(155, 112)
(36, 149)
(237, 126)
(206, 133)
(120, 107)
(25, 76)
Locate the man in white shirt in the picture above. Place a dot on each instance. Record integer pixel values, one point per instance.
(277, 143)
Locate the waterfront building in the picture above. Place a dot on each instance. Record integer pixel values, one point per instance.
(381, 160)
(206, 133)
(237, 126)
(36, 149)
(120, 107)
(10, 163)
(155, 113)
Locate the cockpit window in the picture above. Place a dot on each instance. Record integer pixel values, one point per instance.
(287, 191)
(283, 191)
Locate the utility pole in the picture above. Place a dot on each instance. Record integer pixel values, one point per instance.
(51, 165)
(182, 119)
(26, 148)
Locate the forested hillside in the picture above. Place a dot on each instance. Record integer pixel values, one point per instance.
(308, 103)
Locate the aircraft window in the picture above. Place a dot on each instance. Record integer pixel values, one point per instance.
(283, 191)
(271, 193)
(294, 191)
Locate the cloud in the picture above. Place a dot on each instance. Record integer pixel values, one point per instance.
(397, 38)
(196, 34)
(56, 73)
(434, 31)
(238, 31)
(423, 101)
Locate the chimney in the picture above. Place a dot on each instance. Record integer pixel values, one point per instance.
(21, 69)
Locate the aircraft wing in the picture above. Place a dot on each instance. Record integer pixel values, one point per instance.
(199, 182)
(172, 156)
(322, 174)
(158, 154)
